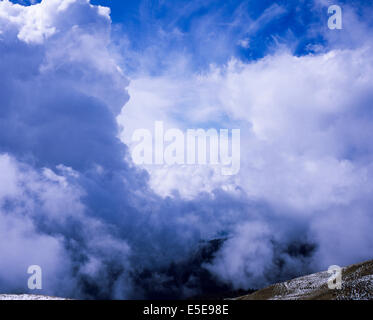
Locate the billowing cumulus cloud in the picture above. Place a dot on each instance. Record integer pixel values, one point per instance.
(73, 202)
(60, 91)
(72, 184)
(305, 146)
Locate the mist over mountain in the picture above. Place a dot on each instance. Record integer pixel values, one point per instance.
(74, 86)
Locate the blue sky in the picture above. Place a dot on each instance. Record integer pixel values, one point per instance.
(205, 24)
(78, 82)
(211, 31)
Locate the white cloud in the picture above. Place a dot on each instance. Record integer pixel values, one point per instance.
(305, 144)
(21, 244)
(245, 259)
(289, 111)
(64, 86)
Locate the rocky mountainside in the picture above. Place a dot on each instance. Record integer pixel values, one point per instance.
(357, 284)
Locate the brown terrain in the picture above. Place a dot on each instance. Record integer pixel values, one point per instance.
(357, 284)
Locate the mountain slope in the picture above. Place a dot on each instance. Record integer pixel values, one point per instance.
(357, 284)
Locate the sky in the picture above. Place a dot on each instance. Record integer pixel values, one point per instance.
(79, 77)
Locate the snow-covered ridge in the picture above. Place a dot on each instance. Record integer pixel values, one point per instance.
(357, 284)
(27, 297)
